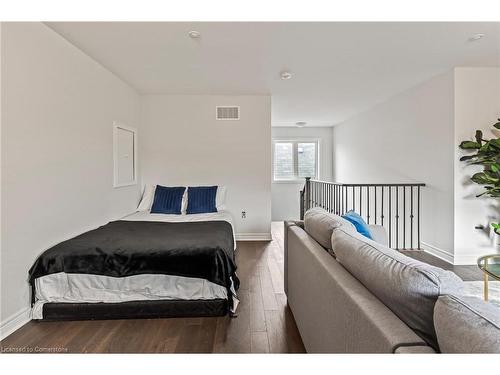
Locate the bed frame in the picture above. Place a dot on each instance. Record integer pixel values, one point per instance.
(135, 310)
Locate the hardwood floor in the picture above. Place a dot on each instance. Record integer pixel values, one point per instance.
(264, 324)
(467, 273)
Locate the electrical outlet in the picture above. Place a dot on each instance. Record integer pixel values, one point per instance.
(243, 214)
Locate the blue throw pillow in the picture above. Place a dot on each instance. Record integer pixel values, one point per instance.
(168, 200)
(359, 223)
(201, 199)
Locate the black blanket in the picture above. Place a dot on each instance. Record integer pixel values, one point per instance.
(124, 248)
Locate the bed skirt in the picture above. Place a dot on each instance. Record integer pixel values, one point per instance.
(135, 310)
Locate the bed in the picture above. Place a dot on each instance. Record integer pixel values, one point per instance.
(142, 266)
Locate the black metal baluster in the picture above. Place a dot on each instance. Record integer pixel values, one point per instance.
(321, 200)
(404, 217)
(339, 198)
(332, 199)
(360, 201)
(368, 204)
(390, 217)
(344, 201)
(341, 192)
(336, 198)
(353, 198)
(328, 202)
(375, 205)
(316, 194)
(397, 217)
(325, 204)
(418, 216)
(382, 208)
(411, 217)
(327, 207)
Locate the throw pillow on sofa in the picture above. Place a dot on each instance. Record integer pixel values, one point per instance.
(360, 224)
(319, 224)
(407, 286)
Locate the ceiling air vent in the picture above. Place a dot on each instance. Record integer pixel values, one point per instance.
(227, 113)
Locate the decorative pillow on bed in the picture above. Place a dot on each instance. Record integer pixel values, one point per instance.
(168, 200)
(147, 198)
(220, 199)
(201, 199)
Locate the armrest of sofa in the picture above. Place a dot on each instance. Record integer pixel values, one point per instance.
(288, 224)
(379, 234)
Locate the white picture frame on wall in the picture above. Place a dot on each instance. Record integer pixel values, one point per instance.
(124, 155)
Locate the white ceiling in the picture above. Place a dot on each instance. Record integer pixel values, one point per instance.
(339, 69)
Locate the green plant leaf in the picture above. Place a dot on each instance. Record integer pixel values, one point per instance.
(467, 157)
(497, 125)
(495, 167)
(482, 178)
(494, 142)
(469, 145)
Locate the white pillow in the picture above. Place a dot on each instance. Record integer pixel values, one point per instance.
(147, 198)
(184, 204)
(220, 199)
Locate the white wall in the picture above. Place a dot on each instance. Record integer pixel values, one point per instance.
(58, 106)
(477, 106)
(409, 138)
(285, 195)
(182, 143)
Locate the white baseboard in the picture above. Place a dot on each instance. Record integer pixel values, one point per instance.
(14, 322)
(468, 259)
(439, 253)
(253, 237)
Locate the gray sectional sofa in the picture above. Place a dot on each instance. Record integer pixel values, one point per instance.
(350, 294)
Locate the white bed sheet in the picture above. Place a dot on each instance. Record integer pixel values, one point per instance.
(85, 288)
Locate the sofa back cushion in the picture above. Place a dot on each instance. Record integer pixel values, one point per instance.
(406, 286)
(319, 224)
(467, 325)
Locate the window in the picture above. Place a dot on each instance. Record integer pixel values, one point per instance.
(295, 160)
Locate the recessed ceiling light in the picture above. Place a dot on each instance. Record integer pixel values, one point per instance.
(194, 34)
(475, 37)
(285, 75)
(301, 124)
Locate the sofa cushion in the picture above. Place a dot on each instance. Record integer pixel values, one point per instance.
(406, 286)
(319, 224)
(467, 325)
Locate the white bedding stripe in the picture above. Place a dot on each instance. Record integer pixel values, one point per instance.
(85, 288)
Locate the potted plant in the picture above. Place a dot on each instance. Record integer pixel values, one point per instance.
(486, 154)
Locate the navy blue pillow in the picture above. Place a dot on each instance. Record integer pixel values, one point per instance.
(201, 199)
(168, 200)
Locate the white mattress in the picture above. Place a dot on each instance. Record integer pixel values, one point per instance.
(85, 288)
